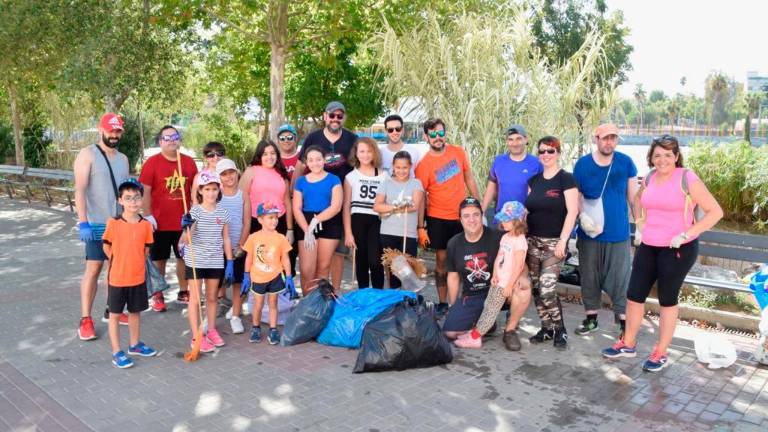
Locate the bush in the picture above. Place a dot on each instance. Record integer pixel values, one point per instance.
(6, 142)
(130, 143)
(37, 143)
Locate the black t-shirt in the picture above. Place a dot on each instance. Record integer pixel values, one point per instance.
(336, 159)
(474, 261)
(546, 204)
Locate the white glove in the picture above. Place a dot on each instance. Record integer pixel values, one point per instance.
(152, 221)
(313, 225)
(678, 240)
(289, 236)
(309, 240)
(485, 221)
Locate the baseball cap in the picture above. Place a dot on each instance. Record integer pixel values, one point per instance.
(470, 202)
(111, 121)
(511, 210)
(132, 182)
(288, 128)
(266, 208)
(516, 129)
(225, 164)
(207, 177)
(334, 106)
(606, 129)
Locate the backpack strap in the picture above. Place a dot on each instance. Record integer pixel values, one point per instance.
(687, 193)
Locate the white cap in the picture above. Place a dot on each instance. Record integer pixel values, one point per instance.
(226, 164)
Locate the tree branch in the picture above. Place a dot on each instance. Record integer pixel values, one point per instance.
(258, 34)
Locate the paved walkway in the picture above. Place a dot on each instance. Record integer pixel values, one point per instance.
(50, 380)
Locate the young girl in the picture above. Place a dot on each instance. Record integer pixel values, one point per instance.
(507, 269)
(209, 225)
(398, 199)
(213, 152)
(239, 211)
(361, 222)
(317, 209)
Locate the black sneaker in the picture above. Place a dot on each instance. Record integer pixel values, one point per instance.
(542, 336)
(587, 326)
(491, 330)
(561, 338)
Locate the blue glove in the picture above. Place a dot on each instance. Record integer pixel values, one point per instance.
(229, 271)
(86, 232)
(246, 285)
(186, 221)
(291, 286)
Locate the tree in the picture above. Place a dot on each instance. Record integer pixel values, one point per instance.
(718, 96)
(752, 102)
(639, 95)
(656, 96)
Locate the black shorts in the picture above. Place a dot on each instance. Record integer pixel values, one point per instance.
(164, 241)
(332, 229)
(665, 266)
(132, 297)
(442, 230)
(204, 273)
(275, 286)
(239, 266)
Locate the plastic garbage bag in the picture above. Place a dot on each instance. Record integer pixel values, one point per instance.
(761, 354)
(715, 350)
(354, 310)
(759, 287)
(403, 337)
(154, 280)
(405, 273)
(284, 306)
(310, 315)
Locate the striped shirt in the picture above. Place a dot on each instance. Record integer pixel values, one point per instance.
(233, 204)
(364, 189)
(207, 237)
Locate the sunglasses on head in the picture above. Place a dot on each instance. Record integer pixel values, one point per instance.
(547, 151)
(174, 137)
(212, 154)
(435, 134)
(286, 138)
(334, 116)
(395, 129)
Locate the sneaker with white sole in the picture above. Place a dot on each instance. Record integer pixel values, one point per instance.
(655, 362)
(237, 325)
(205, 345)
(274, 336)
(140, 349)
(620, 349)
(122, 361)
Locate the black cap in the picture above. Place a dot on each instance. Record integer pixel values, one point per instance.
(470, 202)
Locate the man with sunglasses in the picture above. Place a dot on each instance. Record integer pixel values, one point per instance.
(287, 141)
(393, 125)
(163, 205)
(445, 173)
(98, 168)
(509, 173)
(337, 142)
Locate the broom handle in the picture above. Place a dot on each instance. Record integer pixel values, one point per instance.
(199, 332)
(405, 227)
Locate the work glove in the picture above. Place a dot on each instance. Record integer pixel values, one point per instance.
(86, 232)
(678, 240)
(423, 238)
(313, 224)
(246, 285)
(186, 221)
(229, 271)
(290, 286)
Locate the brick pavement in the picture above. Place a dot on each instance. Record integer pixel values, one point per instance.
(53, 381)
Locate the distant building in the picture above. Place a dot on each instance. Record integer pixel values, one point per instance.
(756, 82)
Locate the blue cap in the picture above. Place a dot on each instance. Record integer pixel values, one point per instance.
(287, 128)
(266, 208)
(512, 210)
(133, 182)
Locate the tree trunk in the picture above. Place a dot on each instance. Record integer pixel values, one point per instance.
(16, 120)
(278, 41)
(748, 129)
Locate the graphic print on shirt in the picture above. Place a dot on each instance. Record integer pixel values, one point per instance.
(175, 184)
(477, 266)
(552, 193)
(366, 192)
(447, 171)
(334, 161)
(265, 255)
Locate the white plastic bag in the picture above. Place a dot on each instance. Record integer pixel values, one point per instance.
(761, 354)
(284, 306)
(405, 273)
(715, 350)
(591, 216)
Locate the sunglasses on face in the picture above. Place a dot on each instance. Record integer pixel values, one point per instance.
(435, 134)
(334, 116)
(174, 137)
(286, 138)
(213, 154)
(395, 129)
(547, 151)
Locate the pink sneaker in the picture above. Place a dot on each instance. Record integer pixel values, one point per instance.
(215, 338)
(468, 342)
(205, 345)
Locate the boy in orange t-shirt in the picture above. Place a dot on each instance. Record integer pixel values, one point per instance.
(265, 265)
(127, 239)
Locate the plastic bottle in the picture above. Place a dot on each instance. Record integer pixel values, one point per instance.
(405, 273)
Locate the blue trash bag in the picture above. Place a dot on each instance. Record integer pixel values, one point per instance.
(310, 315)
(154, 280)
(759, 286)
(354, 310)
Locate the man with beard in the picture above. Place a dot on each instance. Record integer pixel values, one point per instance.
(604, 261)
(445, 173)
(164, 206)
(98, 168)
(337, 142)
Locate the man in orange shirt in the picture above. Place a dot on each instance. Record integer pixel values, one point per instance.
(445, 173)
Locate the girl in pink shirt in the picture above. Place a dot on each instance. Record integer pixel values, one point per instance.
(669, 235)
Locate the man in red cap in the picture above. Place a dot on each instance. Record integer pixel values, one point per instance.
(99, 168)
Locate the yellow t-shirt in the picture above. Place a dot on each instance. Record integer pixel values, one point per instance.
(266, 251)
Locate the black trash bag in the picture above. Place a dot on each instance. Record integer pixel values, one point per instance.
(404, 336)
(310, 316)
(570, 275)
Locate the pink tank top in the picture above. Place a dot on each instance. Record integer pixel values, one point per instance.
(267, 185)
(507, 247)
(664, 205)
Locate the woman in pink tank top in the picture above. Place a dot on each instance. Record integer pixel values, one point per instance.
(669, 245)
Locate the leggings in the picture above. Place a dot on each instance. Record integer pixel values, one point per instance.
(666, 267)
(365, 228)
(493, 303)
(396, 242)
(544, 269)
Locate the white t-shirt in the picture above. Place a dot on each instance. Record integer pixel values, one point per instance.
(364, 190)
(387, 155)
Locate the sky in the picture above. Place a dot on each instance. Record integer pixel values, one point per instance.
(676, 38)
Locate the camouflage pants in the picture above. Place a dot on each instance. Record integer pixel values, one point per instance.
(544, 269)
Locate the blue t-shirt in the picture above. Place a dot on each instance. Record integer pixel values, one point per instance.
(590, 178)
(511, 177)
(317, 195)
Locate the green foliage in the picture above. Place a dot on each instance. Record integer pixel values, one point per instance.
(6, 141)
(36, 145)
(720, 300)
(130, 142)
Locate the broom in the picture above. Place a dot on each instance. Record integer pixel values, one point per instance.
(193, 354)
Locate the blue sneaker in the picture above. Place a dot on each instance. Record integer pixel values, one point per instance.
(142, 350)
(121, 360)
(656, 362)
(274, 336)
(255, 335)
(619, 349)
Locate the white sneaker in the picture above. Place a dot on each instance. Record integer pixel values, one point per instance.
(237, 325)
(228, 315)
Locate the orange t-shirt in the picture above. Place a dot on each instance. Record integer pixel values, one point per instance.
(267, 252)
(443, 179)
(128, 241)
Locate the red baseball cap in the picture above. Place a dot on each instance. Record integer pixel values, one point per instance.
(111, 121)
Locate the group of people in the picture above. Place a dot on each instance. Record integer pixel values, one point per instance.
(338, 194)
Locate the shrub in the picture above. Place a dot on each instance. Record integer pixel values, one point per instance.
(37, 143)
(6, 142)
